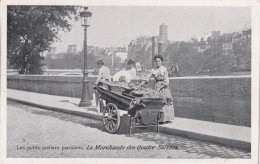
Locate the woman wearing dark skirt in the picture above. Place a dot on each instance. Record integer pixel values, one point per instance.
(161, 84)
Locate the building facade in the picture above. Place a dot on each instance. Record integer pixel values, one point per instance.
(72, 49)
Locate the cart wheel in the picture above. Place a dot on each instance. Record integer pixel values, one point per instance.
(111, 118)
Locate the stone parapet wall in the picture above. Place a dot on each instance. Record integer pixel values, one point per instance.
(217, 99)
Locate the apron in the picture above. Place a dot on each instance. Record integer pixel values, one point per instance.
(168, 109)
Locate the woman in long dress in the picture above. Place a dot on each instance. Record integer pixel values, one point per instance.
(161, 84)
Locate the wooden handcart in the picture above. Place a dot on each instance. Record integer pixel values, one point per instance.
(143, 111)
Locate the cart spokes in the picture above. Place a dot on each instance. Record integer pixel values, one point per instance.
(111, 118)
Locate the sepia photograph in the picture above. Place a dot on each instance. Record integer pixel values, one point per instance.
(129, 82)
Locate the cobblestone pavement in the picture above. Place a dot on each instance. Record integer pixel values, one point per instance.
(35, 132)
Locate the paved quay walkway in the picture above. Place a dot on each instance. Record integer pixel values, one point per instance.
(230, 135)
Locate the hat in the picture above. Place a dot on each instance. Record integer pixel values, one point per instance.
(130, 61)
(100, 62)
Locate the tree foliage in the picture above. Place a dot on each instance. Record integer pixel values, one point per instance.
(142, 54)
(212, 61)
(242, 53)
(30, 32)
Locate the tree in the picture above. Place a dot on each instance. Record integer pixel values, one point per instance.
(142, 54)
(242, 52)
(30, 32)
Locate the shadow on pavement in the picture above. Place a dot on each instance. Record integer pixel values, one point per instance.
(68, 101)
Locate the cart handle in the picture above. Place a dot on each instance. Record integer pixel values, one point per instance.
(142, 104)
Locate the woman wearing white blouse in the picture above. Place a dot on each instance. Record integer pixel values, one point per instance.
(128, 73)
(161, 84)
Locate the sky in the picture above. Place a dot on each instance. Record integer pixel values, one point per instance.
(117, 26)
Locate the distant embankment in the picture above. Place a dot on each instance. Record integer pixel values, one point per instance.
(217, 99)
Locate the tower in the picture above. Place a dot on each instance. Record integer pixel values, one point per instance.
(163, 33)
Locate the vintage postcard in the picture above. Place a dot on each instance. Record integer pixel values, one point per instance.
(129, 81)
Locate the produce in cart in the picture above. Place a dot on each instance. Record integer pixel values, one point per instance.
(143, 105)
